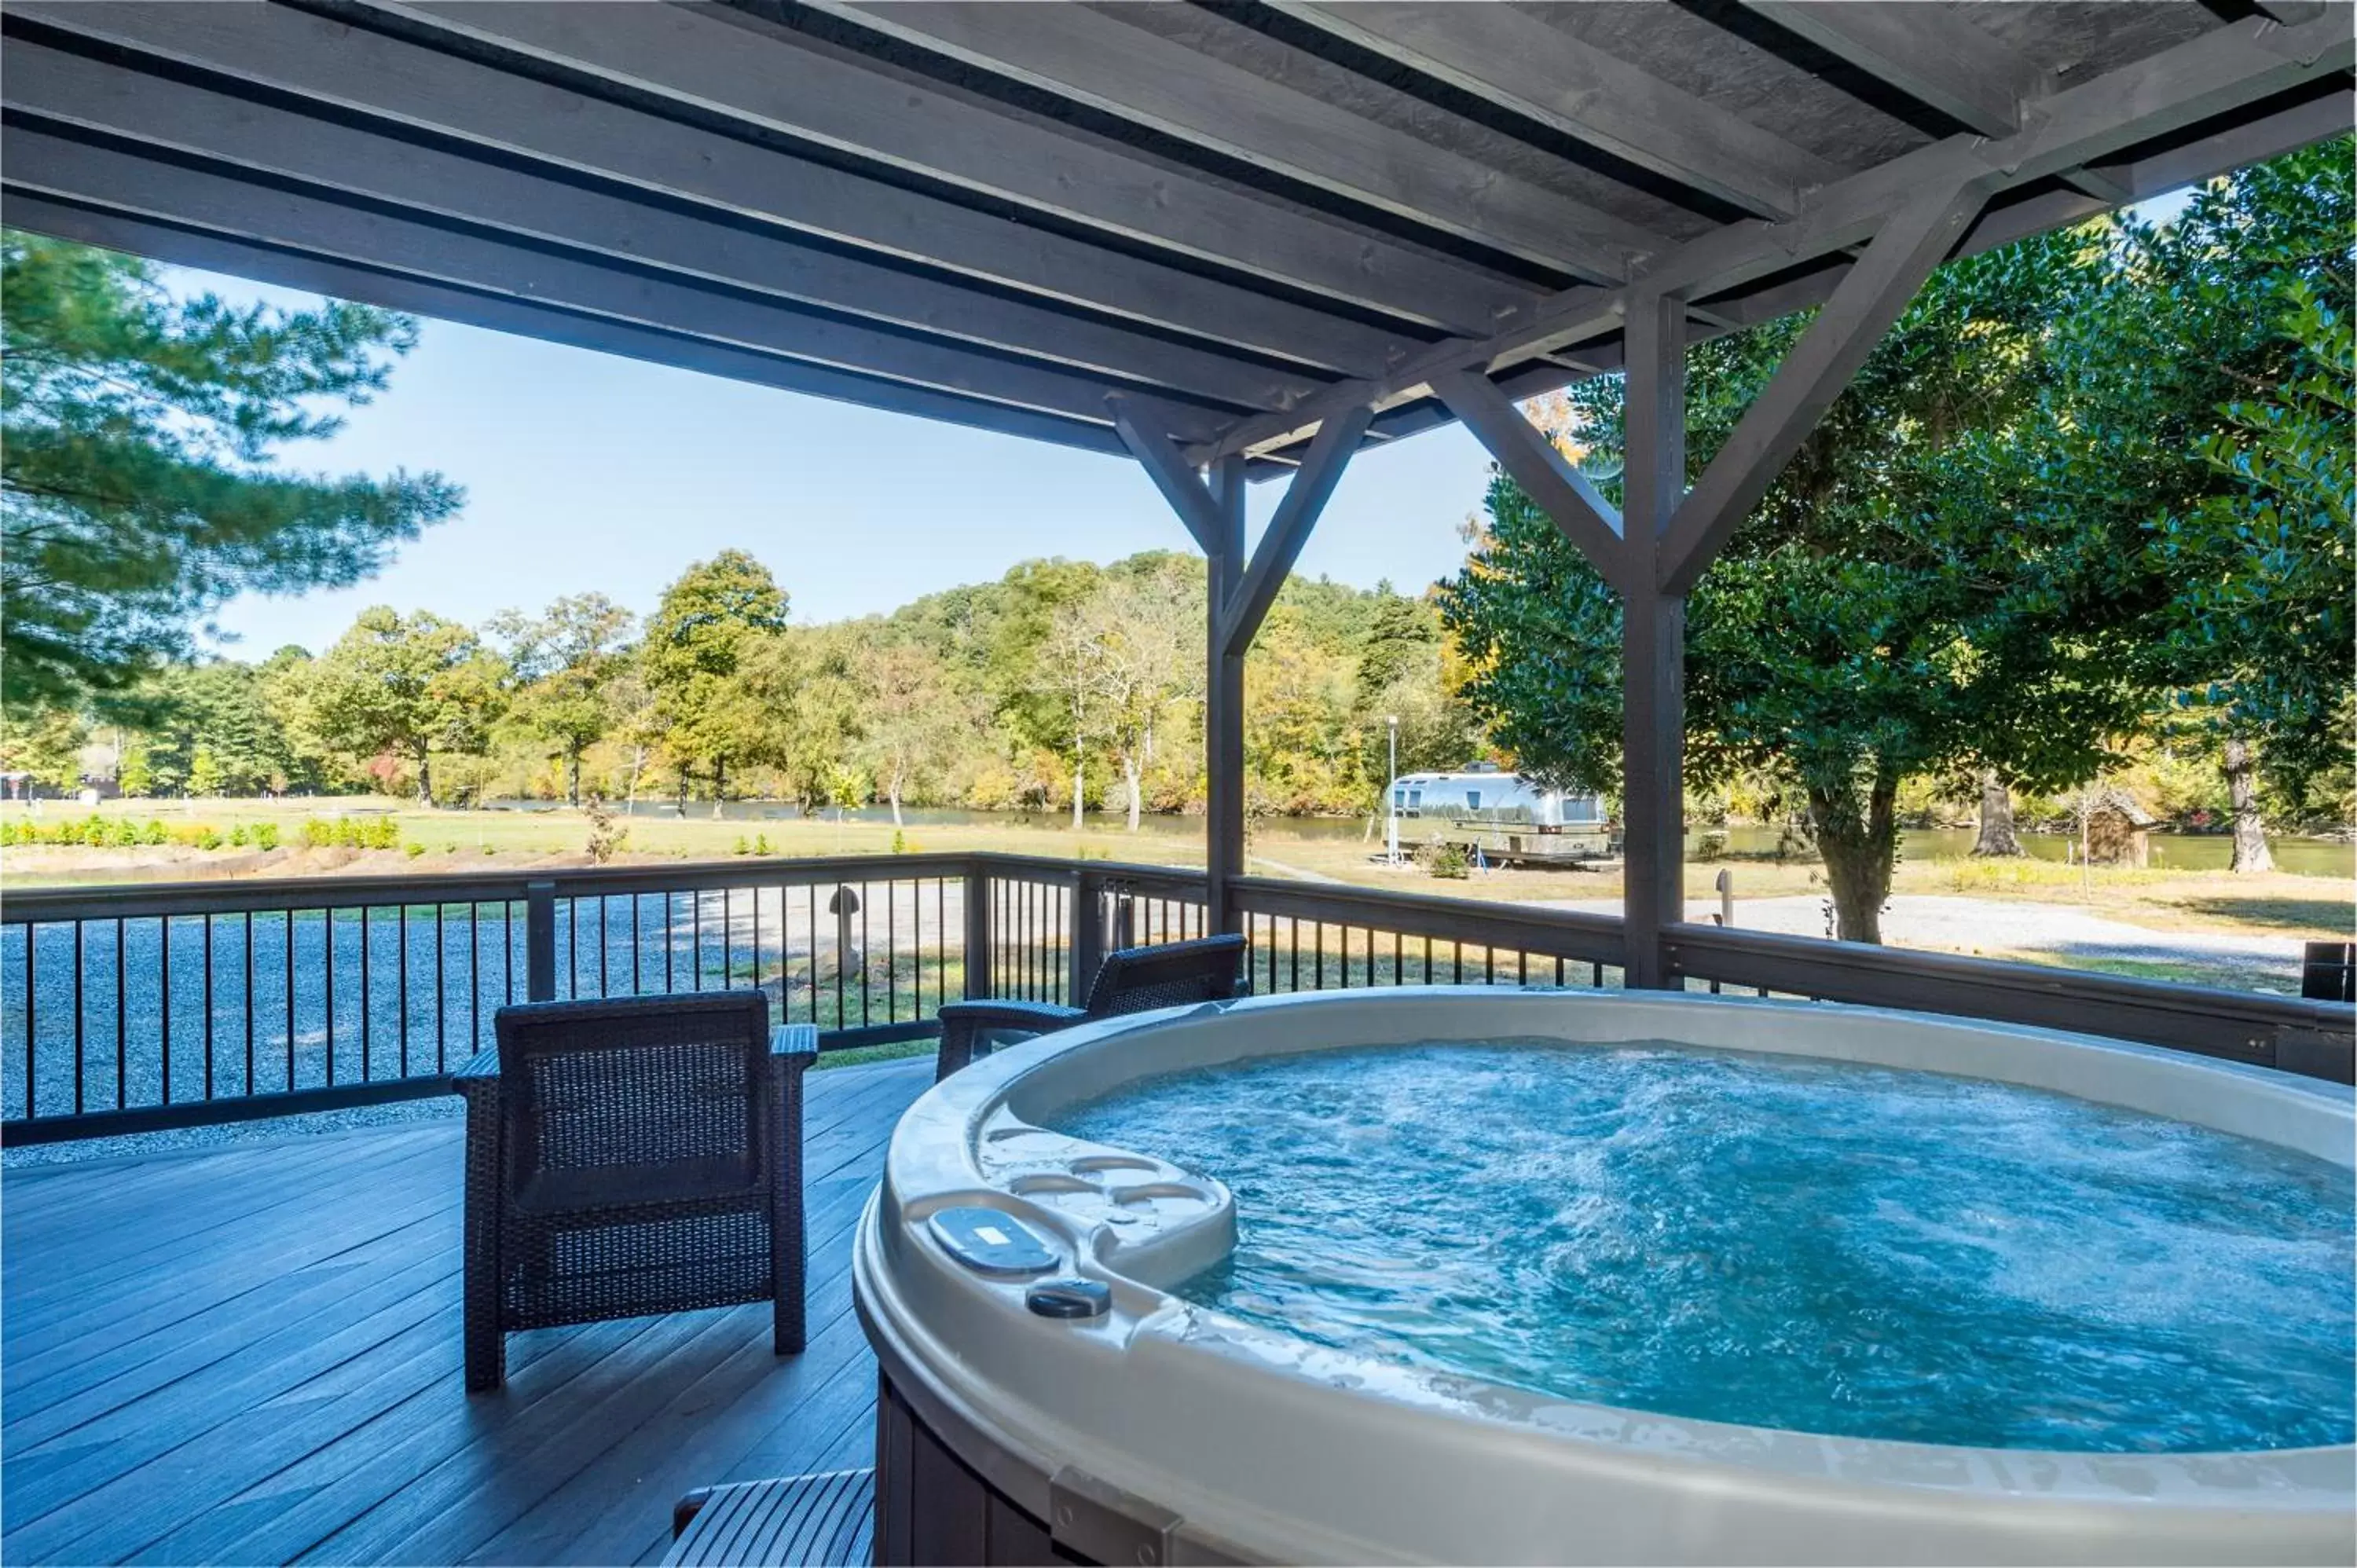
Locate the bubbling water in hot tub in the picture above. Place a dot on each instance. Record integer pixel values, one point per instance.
(1776, 1241)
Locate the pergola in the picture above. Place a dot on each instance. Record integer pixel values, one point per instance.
(1231, 240)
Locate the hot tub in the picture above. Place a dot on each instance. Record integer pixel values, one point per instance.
(1045, 1390)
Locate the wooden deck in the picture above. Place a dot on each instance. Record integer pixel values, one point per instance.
(252, 1355)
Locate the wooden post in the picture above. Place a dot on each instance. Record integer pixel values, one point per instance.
(539, 941)
(977, 934)
(1224, 703)
(1653, 639)
(1088, 935)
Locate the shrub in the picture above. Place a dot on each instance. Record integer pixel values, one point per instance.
(1446, 861)
(383, 833)
(209, 838)
(237, 836)
(415, 850)
(899, 841)
(1711, 845)
(317, 833)
(761, 844)
(155, 832)
(266, 835)
(742, 846)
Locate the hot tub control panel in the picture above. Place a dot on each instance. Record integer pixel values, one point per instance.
(990, 1242)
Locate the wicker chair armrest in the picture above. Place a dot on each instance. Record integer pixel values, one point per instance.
(794, 1046)
(964, 1024)
(1003, 1014)
(479, 1080)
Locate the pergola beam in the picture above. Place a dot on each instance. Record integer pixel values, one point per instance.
(43, 161)
(343, 280)
(1878, 288)
(350, 74)
(1930, 53)
(770, 80)
(1588, 521)
(1138, 76)
(2153, 97)
(1549, 76)
(346, 163)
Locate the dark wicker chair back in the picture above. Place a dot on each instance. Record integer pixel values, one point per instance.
(631, 1156)
(644, 1100)
(1131, 980)
(1138, 980)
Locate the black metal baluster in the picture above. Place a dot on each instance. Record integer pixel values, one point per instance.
(400, 929)
(573, 949)
(32, 1029)
(209, 1006)
(757, 939)
(474, 978)
(891, 952)
(328, 941)
(441, 995)
(636, 984)
(367, 1007)
(605, 943)
(810, 909)
(669, 943)
(1598, 980)
(122, 1024)
(164, 996)
(290, 999)
(249, 1001)
(78, 1015)
(696, 935)
(507, 947)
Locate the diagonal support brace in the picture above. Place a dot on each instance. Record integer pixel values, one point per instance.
(1237, 617)
(1176, 477)
(1585, 519)
(1876, 291)
(1306, 495)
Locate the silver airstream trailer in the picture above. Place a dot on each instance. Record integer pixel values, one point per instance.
(1506, 819)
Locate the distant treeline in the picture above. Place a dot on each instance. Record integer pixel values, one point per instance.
(1061, 679)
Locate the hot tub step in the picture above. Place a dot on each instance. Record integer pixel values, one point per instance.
(825, 1520)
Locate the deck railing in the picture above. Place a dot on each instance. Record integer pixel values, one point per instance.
(136, 1008)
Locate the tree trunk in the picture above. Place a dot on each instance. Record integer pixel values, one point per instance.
(2251, 853)
(719, 786)
(1129, 767)
(893, 790)
(683, 788)
(426, 778)
(1079, 781)
(1859, 855)
(573, 780)
(1996, 818)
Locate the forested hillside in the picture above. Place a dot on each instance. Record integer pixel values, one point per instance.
(1062, 677)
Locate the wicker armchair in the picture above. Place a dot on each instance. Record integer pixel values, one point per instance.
(1132, 980)
(633, 1156)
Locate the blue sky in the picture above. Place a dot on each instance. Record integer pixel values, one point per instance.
(588, 472)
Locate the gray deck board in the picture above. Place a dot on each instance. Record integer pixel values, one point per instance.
(251, 1354)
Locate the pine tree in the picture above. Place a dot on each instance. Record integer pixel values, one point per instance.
(137, 484)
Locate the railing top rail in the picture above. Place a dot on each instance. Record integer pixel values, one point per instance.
(119, 900)
(1693, 947)
(1571, 933)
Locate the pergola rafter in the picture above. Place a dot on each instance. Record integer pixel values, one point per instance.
(1229, 241)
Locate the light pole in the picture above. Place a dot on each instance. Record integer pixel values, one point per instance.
(1391, 798)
